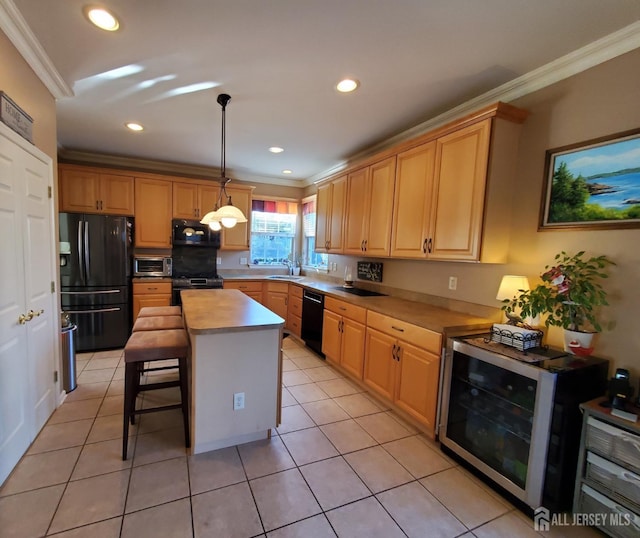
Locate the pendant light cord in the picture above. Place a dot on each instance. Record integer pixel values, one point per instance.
(223, 100)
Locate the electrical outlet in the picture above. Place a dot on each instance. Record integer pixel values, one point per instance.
(453, 282)
(243, 261)
(218, 260)
(238, 401)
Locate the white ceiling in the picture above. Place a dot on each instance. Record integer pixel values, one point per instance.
(280, 60)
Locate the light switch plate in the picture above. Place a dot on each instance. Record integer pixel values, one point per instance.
(238, 401)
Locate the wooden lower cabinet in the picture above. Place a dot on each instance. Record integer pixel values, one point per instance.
(343, 335)
(252, 288)
(405, 369)
(276, 298)
(294, 310)
(150, 294)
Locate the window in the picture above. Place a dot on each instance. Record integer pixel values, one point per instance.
(312, 258)
(273, 231)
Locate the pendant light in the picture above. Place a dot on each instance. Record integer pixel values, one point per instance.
(228, 215)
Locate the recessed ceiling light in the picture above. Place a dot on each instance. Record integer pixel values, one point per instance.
(287, 171)
(347, 85)
(276, 149)
(101, 18)
(134, 126)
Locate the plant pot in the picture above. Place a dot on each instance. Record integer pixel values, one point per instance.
(578, 343)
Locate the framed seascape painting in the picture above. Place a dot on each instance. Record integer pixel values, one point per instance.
(593, 184)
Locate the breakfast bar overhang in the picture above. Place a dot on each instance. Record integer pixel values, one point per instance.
(235, 349)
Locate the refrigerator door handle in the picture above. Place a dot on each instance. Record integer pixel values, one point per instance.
(88, 292)
(87, 264)
(80, 250)
(115, 309)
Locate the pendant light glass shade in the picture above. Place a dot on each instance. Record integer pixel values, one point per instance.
(228, 215)
(213, 220)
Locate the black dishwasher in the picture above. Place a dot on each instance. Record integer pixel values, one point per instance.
(312, 312)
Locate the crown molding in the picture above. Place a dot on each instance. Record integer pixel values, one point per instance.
(165, 167)
(15, 27)
(591, 55)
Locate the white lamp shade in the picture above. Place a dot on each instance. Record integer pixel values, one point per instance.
(209, 217)
(230, 215)
(511, 285)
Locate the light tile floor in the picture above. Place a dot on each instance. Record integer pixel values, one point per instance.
(340, 464)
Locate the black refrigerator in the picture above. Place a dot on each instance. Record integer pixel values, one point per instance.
(95, 278)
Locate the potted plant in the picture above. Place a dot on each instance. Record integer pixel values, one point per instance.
(569, 295)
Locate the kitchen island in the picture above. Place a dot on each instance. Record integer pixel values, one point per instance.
(235, 355)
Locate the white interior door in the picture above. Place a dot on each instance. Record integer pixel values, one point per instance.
(29, 350)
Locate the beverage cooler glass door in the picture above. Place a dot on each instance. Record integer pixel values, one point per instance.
(496, 415)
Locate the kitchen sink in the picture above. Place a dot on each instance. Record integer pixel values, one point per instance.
(360, 291)
(285, 277)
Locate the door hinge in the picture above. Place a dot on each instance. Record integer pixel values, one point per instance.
(53, 287)
(50, 191)
(55, 376)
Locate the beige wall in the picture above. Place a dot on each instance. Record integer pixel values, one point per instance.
(21, 84)
(595, 103)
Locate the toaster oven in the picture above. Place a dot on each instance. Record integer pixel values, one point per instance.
(152, 266)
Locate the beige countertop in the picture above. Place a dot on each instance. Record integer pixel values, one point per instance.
(448, 322)
(215, 311)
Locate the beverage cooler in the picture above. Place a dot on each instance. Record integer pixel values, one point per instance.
(514, 416)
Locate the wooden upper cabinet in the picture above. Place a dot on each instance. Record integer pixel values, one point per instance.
(458, 198)
(358, 188)
(87, 190)
(193, 200)
(153, 213)
(367, 229)
(330, 210)
(412, 201)
(237, 238)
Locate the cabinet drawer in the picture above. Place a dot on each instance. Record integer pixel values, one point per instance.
(592, 502)
(615, 479)
(295, 325)
(244, 285)
(356, 313)
(613, 442)
(295, 306)
(282, 287)
(142, 288)
(418, 336)
(295, 291)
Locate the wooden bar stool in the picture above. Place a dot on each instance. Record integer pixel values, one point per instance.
(159, 311)
(149, 346)
(157, 323)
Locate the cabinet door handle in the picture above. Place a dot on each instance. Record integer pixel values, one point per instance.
(429, 245)
(365, 244)
(97, 204)
(398, 353)
(399, 329)
(424, 246)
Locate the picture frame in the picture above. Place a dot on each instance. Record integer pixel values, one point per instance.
(593, 184)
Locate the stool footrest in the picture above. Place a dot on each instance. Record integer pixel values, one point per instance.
(159, 408)
(160, 368)
(159, 385)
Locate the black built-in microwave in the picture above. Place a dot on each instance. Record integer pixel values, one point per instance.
(192, 233)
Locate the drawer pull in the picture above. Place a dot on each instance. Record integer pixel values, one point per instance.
(399, 329)
(150, 288)
(342, 308)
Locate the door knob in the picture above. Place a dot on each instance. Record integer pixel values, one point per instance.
(22, 319)
(39, 312)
